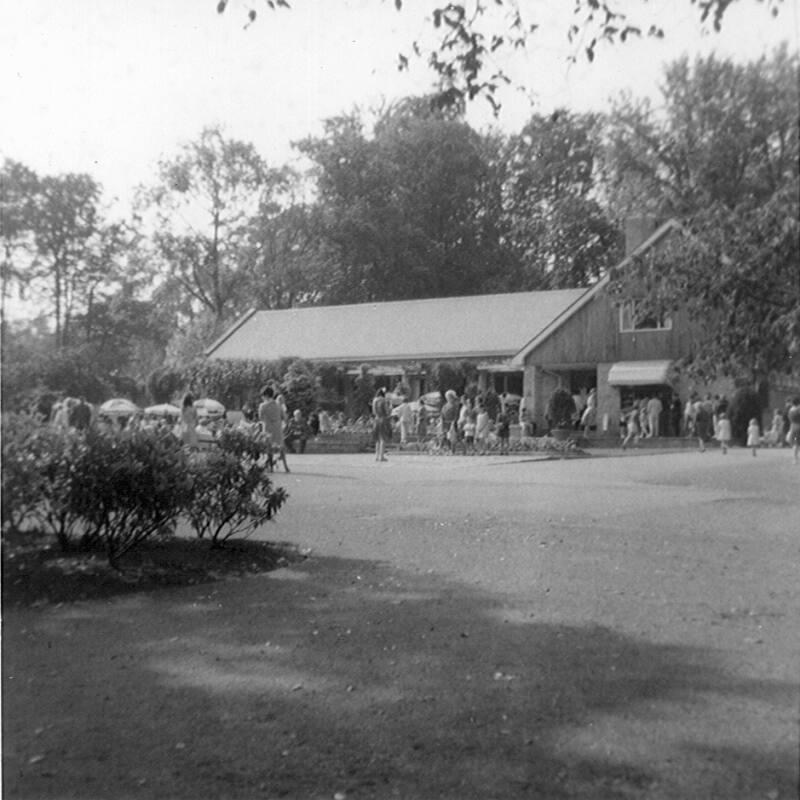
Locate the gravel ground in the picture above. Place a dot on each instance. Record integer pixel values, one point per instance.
(464, 628)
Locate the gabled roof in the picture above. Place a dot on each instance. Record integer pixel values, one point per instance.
(477, 326)
(519, 358)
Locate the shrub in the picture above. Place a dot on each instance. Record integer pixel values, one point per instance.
(132, 485)
(560, 409)
(36, 476)
(230, 495)
(244, 442)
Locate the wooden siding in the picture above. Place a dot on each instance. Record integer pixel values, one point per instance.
(592, 336)
(587, 337)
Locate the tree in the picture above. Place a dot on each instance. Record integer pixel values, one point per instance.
(405, 205)
(203, 204)
(735, 272)
(18, 186)
(56, 242)
(470, 35)
(563, 236)
(285, 258)
(726, 132)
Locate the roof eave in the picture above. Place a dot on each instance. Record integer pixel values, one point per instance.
(225, 336)
(549, 330)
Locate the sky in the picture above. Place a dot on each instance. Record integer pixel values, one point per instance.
(109, 87)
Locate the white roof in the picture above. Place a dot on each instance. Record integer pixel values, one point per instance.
(477, 326)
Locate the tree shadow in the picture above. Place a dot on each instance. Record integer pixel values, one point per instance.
(355, 677)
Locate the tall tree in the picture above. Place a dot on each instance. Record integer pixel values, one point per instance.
(57, 243)
(735, 272)
(723, 133)
(286, 257)
(202, 205)
(405, 205)
(18, 186)
(563, 235)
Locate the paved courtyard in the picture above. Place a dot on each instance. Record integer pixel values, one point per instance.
(500, 627)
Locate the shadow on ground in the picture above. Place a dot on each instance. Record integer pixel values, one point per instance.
(354, 678)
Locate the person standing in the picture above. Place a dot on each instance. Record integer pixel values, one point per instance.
(777, 429)
(482, 426)
(188, 423)
(724, 432)
(654, 409)
(753, 435)
(449, 418)
(405, 418)
(503, 432)
(590, 412)
(793, 437)
(296, 432)
(381, 424)
(702, 423)
(81, 415)
(272, 417)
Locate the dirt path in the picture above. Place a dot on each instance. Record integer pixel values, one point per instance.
(465, 628)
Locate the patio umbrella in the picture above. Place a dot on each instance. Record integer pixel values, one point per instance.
(118, 407)
(163, 410)
(209, 408)
(432, 399)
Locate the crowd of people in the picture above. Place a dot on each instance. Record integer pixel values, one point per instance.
(460, 425)
(706, 418)
(463, 424)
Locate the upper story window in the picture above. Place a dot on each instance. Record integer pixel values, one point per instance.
(631, 319)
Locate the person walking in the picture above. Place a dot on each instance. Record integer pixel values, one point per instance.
(632, 432)
(381, 424)
(272, 418)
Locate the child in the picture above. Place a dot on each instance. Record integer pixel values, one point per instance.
(724, 433)
(753, 435)
(776, 431)
(482, 429)
(503, 432)
(633, 427)
(469, 435)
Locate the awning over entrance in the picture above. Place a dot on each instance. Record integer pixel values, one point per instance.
(638, 373)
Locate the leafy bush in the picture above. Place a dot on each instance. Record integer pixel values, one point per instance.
(90, 489)
(230, 495)
(36, 477)
(299, 386)
(244, 442)
(745, 404)
(132, 485)
(560, 408)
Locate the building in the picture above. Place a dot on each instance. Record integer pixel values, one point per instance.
(524, 343)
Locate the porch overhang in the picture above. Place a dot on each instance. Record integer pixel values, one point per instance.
(639, 373)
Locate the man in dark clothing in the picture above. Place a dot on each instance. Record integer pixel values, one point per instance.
(80, 416)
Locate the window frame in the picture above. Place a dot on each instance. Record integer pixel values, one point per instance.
(628, 308)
